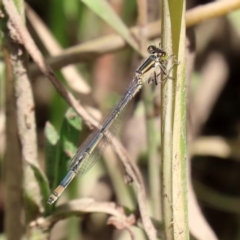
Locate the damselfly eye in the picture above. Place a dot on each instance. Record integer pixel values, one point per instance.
(151, 49)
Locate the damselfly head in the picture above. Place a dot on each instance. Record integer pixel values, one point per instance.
(155, 50)
(152, 49)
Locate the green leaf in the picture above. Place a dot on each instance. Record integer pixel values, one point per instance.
(59, 149)
(104, 10)
(44, 187)
(72, 125)
(52, 153)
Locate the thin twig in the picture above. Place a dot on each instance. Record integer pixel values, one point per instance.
(222, 148)
(142, 36)
(135, 174)
(142, 24)
(152, 149)
(210, 10)
(88, 206)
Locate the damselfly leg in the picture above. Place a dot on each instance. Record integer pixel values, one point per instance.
(162, 64)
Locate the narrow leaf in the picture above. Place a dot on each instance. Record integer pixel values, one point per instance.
(104, 10)
(51, 150)
(70, 130)
(44, 187)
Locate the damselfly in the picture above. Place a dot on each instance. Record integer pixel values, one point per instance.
(87, 155)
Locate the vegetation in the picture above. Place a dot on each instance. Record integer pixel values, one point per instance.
(88, 50)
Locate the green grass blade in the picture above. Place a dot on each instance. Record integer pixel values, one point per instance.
(52, 151)
(174, 124)
(44, 187)
(71, 127)
(104, 10)
(179, 160)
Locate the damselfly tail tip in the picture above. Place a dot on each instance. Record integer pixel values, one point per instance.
(52, 199)
(56, 194)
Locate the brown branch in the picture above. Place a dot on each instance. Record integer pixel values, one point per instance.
(142, 24)
(87, 206)
(12, 166)
(210, 10)
(25, 115)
